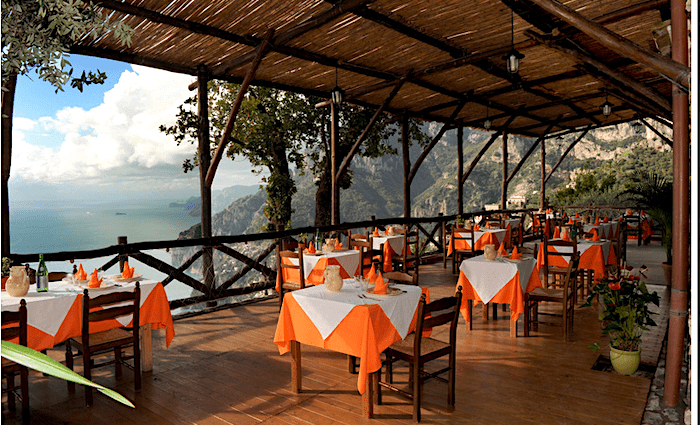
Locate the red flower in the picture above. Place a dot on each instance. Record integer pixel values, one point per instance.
(615, 286)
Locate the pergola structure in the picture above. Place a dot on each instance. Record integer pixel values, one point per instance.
(582, 65)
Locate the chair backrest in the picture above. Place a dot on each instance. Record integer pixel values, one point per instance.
(570, 276)
(290, 244)
(14, 324)
(401, 277)
(281, 264)
(546, 243)
(494, 222)
(462, 233)
(436, 313)
(110, 306)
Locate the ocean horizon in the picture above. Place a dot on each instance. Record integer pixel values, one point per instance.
(55, 226)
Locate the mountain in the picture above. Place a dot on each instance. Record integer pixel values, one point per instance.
(377, 187)
(220, 199)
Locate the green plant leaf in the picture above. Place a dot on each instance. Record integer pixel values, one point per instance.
(594, 347)
(45, 364)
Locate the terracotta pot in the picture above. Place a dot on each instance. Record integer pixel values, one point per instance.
(490, 252)
(625, 362)
(332, 279)
(4, 279)
(18, 283)
(668, 271)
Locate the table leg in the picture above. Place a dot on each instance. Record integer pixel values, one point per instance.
(368, 396)
(146, 343)
(470, 307)
(485, 311)
(296, 367)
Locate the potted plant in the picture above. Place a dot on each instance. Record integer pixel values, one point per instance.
(6, 263)
(623, 302)
(654, 193)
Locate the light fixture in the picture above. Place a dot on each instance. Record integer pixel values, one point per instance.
(487, 123)
(607, 106)
(513, 57)
(337, 93)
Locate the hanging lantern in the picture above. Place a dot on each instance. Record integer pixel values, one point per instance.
(513, 57)
(337, 93)
(487, 123)
(607, 108)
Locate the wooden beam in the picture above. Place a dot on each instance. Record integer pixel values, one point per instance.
(368, 127)
(566, 152)
(460, 168)
(406, 168)
(132, 58)
(504, 177)
(438, 136)
(657, 132)
(204, 155)
(335, 190)
(617, 75)
(260, 52)
(677, 72)
(531, 150)
(553, 98)
(488, 144)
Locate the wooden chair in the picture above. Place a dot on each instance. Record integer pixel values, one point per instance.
(368, 255)
(494, 222)
(14, 325)
(554, 276)
(565, 297)
(633, 222)
(401, 277)
(107, 307)
(516, 229)
(288, 284)
(617, 245)
(458, 254)
(418, 350)
(410, 258)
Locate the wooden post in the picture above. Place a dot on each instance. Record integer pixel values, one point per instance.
(678, 315)
(566, 152)
(406, 168)
(121, 240)
(204, 163)
(460, 169)
(8, 104)
(504, 188)
(542, 174)
(335, 191)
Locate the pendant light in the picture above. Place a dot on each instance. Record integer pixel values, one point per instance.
(607, 106)
(487, 123)
(513, 57)
(337, 92)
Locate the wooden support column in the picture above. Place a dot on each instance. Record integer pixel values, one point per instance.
(675, 70)
(8, 105)
(259, 54)
(543, 171)
(678, 315)
(204, 159)
(460, 169)
(566, 152)
(532, 149)
(504, 188)
(335, 191)
(406, 167)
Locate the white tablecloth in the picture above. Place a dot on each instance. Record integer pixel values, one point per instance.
(396, 243)
(349, 260)
(489, 277)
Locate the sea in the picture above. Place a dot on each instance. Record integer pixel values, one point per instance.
(43, 227)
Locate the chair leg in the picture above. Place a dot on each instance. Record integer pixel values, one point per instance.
(416, 391)
(87, 363)
(69, 364)
(352, 364)
(451, 380)
(24, 381)
(389, 370)
(526, 323)
(10, 378)
(118, 362)
(376, 376)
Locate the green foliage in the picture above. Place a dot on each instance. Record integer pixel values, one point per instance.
(37, 35)
(41, 362)
(6, 263)
(626, 314)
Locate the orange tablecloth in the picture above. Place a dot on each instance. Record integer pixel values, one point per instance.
(483, 237)
(511, 292)
(592, 257)
(365, 332)
(53, 318)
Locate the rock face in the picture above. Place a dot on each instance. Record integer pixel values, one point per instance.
(377, 187)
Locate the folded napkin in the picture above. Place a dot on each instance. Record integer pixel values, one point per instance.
(502, 250)
(515, 255)
(339, 245)
(128, 273)
(311, 249)
(476, 227)
(597, 221)
(577, 215)
(566, 237)
(376, 232)
(380, 285)
(596, 238)
(595, 235)
(94, 282)
(606, 219)
(571, 221)
(372, 274)
(549, 210)
(81, 274)
(557, 233)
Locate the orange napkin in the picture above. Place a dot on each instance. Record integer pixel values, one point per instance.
(515, 255)
(476, 227)
(597, 221)
(595, 234)
(557, 233)
(549, 210)
(94, 282)
(128, 273)
(81, 275)
(565, 237)
(502, 250)
(380, 285)
(376, 232)
(571, 221)
(372, 274)
(312, 248)
(577, 216)
(606, 219)
(339, 245)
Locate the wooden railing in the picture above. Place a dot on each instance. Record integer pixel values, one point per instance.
(432, 231)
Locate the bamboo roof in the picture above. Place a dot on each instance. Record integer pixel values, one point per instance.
(448, 53)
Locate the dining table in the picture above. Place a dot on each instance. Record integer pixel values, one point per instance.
(605, 230)
(502, 280)
(315, 264)
(390, 245)
(353, 321)
(510, 225)
(482, 237)
(56, 315)
(594, 255)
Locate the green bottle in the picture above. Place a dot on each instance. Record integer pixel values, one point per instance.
(42, 276)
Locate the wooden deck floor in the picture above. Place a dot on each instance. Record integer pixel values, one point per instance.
(223, 368)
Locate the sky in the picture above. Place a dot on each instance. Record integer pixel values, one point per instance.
(105, 143)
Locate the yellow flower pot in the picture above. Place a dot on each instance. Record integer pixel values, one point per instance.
(624, 362)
